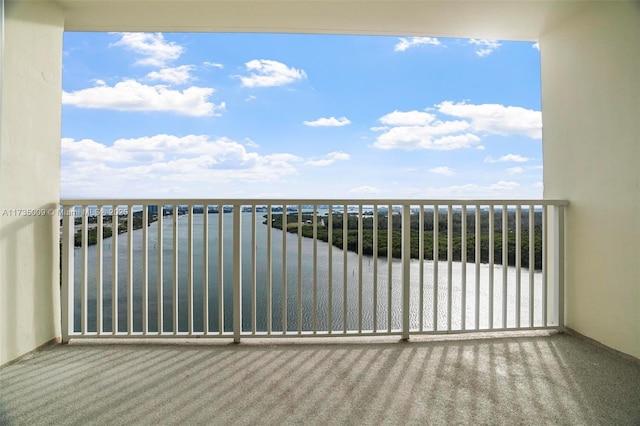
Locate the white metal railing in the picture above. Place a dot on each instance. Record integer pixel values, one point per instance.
(243, 268)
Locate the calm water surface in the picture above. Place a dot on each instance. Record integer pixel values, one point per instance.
(386, 293)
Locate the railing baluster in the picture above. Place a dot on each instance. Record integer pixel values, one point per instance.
(545, 224)
(360, 247)
(115, 222)
(463, 255)
(237, 272)
(532, 264)
(315, 268)
(389, 268)
(84, 297)
(299, 269)
(190, 269)
(221, 268)
(478, 232)
(449, 265)
(268, 266)
(559, 265)
(421, 266)
(518, 263)
(160, 269)
(505, 262)
(375, 268)
(205, 269)
(129, 269)
(145, 269)
(68, 271)
(492, 254)
(254, 269)
(406, 270)
(285, 226)
(345, 236)
(436, 256)
(330, 271)
(175, 269)
(99, 270)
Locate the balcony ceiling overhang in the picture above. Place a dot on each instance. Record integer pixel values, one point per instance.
(512, 20)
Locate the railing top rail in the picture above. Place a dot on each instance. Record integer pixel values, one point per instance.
(307, 201)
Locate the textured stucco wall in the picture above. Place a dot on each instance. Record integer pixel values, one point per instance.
(29, 176)
(591, 118)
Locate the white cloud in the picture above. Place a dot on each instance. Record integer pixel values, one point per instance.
(422, 137)
(516, 158)
(152, 46)
(538, 185)
(365, 190)
(90, 150)
(411, 130)
(443, 170)
(407, 118)
(418, 129)
(536, 45)
(328, 159)
(268, 73)
(481, 147)
(515, 170)
(174, 166)
(406, 43)
(484, 47)
(501, 189)
(446, 143)
(496, 118)
(170, 147)
(503, 185)
(250, 143)
(213, 65)
(151, 164)
(250, 98)
(408, 192)
(328, 122)
(130, 95)
(176, 75)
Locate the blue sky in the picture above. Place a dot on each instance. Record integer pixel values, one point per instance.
(300, 116)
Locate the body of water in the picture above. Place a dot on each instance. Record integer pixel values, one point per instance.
(383, 293)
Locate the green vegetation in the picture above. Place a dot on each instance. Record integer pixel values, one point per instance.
(92, 234)
(396, 248)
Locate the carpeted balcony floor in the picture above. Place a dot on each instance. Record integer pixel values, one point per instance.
(530, 379)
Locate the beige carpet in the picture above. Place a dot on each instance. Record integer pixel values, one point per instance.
(552, 379)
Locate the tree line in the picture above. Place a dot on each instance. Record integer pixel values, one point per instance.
(107, 230)
(428, 243)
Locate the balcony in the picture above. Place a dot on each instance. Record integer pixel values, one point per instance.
(196, 275)
(193, 276)
(589, 105)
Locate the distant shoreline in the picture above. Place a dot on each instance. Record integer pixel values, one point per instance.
(428, 243)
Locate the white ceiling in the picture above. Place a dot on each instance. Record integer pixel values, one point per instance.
(513, 20)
